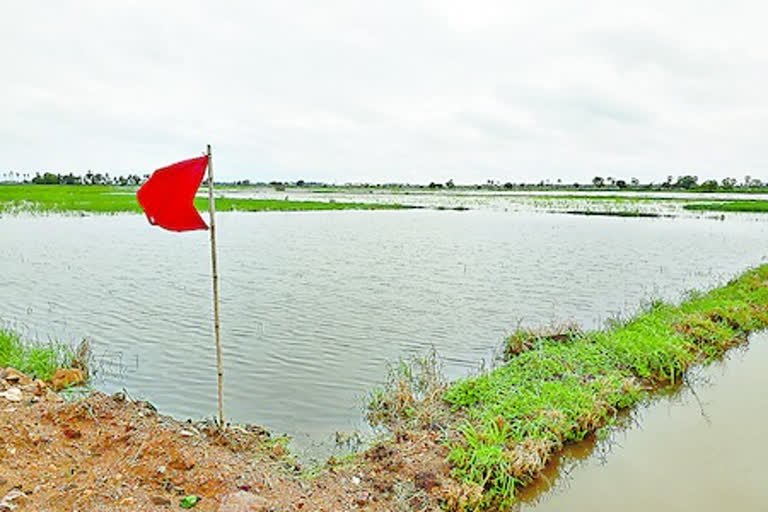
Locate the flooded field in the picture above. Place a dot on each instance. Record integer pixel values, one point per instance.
(648, 203)
(315, 304)
(702, 448)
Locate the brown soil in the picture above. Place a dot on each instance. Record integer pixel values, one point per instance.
(108, 453)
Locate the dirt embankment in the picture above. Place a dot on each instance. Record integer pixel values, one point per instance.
(109, 453)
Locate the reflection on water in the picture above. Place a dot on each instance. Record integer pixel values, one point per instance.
(703, 448)
(314, 304)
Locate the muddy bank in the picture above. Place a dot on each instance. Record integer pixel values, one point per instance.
(105, 452)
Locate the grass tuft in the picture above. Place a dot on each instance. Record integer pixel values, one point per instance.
(38, 360)
(411, 396)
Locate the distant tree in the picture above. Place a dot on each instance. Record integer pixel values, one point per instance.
(687, 181)
(449, 183)
(747, 180)
(708, 186)
(598, 181)
(635, 182)
(621, 183)
(728, 182)
(434, 185)
(69, 179)
(50, 179)
(508, 185)
(300, 183)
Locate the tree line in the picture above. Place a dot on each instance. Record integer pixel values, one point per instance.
(684, 182)
(89, 178)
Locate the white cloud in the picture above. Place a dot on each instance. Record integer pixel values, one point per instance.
(395, 91)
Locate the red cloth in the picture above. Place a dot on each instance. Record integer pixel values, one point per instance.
(168, 196)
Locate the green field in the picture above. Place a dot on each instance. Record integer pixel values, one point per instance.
(111, 199)
(753, 206)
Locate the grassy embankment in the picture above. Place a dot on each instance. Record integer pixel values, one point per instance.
(752, 206)
(503, 426)
(108, 199)
(34, 359)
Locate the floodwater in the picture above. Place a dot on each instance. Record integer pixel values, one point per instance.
(701, 449)
(511, 201)
(314, 304)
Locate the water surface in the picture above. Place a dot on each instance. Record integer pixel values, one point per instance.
(314, 304)
(701, 449)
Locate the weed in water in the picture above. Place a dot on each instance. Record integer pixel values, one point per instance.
(411, 396)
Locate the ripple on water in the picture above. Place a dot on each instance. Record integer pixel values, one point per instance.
(315, 304)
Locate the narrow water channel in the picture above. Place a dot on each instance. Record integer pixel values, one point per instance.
(702, 448)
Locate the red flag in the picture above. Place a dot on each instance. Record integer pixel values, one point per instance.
(168, 196)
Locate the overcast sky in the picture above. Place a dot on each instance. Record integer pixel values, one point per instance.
(388, 91)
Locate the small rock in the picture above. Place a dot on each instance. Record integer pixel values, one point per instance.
(161, 500)
(7, 502)
(183, 462)
(242, 501)
(3, 481)
(38, 387)
(186, 433)
(161, 469)
(71, 433)
(425, 480)
(362, 498)
(12, 395)
(14, 376)
(67, 377)
(355, 480)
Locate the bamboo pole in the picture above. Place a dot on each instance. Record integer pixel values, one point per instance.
(212, 211)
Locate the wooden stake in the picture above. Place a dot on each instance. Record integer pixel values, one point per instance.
(212, 211)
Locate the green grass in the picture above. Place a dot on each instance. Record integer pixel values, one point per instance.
(37, 360)
(753, 205)
(108, 199)
(635, 197)
(561, 390)
(613, 213)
